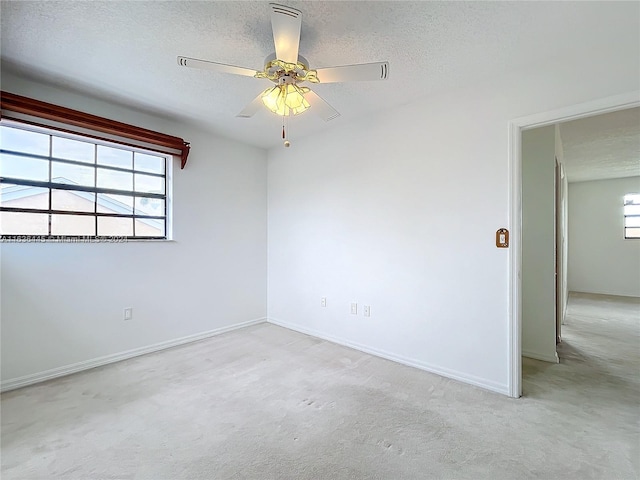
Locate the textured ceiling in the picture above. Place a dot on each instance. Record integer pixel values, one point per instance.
(125, 51)
(602, 146)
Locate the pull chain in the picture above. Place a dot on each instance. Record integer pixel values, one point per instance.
(287, 143)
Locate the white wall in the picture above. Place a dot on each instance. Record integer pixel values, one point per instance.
(600, 259)
(399, 211)
(538, 244)
(63, 303)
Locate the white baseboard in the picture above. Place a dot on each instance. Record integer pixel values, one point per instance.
(443, 372)
(26, 380)
(541, 356)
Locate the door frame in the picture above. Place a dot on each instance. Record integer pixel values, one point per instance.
(516, 127)
(560, 222)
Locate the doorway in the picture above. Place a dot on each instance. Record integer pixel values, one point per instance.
(516, 127)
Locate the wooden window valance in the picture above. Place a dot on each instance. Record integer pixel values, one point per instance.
(28, 110)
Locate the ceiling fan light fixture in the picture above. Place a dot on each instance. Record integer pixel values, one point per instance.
(287, 69)
(285, 99)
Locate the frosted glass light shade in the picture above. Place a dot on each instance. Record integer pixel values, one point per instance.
(286, 99)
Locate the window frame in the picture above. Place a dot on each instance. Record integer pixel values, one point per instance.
(50, 185)
(631, 215)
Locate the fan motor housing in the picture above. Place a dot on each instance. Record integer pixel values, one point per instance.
(281, 72)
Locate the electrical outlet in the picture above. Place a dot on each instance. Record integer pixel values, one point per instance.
(367, 311)
(354, 309)
(128, 313)
(323, 302)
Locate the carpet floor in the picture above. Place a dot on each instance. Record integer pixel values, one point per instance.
(268, 403)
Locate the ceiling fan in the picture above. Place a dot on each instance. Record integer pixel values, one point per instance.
(287, 70)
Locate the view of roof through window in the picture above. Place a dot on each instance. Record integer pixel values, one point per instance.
(52, 186)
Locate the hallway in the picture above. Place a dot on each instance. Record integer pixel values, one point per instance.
(602, 333)
(597, 378)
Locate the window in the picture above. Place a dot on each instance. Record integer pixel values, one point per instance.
(55, 185)
(632, 215)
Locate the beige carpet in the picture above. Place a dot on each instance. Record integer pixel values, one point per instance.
(268, 403)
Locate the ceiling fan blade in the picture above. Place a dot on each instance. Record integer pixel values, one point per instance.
(320, 107)
(215, 67)
(351, 73)
(286, 23)
(251, 109)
